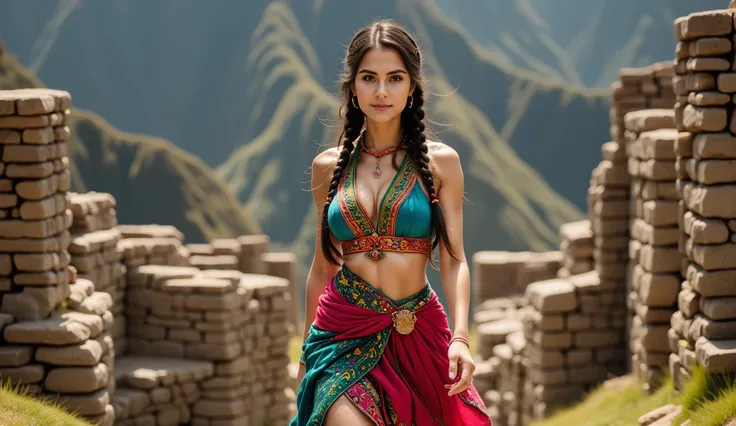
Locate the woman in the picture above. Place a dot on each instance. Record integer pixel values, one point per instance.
(378, 349)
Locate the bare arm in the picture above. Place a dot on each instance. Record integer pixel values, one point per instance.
(455, 274)
(321, 270)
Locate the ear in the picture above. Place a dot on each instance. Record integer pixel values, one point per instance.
(413, 86)
(352, 88)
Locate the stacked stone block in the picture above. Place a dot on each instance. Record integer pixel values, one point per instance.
(152, 245)
(499, 274)
(703, 330)
(67, 357)
(158, 391)
(574, 338)
(237, 321)
(93, 211)
(244, 254)
(284, 265)
(608, 209)
(648, 87)
(576, 245)
(220, 254)
(655, 277)
(252, 249)
(95, 253)
(500, 372)
(34, 214)
(508, 368)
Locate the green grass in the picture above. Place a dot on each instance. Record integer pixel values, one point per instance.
(708, 399)
(17, 408)
(612, 406)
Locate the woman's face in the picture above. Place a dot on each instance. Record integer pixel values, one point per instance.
(382, 84)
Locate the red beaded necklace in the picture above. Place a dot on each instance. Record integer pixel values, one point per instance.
(378, 155)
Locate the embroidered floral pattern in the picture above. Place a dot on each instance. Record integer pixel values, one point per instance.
(358, 292)
(373, 404)
(395, 195)
(381, 238)
(385, 243)
(352, 359)
(348, 362)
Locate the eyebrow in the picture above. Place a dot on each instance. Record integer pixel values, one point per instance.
(399, 71)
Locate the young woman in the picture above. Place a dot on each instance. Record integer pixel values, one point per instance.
(378, 349)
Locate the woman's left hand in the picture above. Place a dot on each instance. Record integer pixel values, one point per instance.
(462, 366)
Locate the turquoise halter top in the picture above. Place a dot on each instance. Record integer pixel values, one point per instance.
(404, 213)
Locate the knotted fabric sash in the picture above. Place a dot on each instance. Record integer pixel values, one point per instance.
(402, 346)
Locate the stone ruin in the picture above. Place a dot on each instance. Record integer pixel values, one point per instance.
(125, 324)
(659, 296)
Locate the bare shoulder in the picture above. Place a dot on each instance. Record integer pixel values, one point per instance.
(445, 161)
(323, 167)
(326, 159)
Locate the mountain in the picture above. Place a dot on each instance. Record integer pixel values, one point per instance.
(575, 41)
(248, 87)
(152, 180)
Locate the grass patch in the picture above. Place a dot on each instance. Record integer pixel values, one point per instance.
(612, 406)
(708, 399)
(18, 408)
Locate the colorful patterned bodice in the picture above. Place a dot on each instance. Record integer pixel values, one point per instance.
(404, 214)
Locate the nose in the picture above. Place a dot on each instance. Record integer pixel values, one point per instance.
(382, 93)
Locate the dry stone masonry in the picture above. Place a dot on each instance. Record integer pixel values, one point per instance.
(152, 245)
(66, 357)
(503, 274)
(158, 391)
(116, 322)
(236, 321)
(244, 254)
(34, 214)
(655, 276)
(500, 372)
(574, 338)
(648, 87)
(703, 330)
(577, 248)
(95, 254)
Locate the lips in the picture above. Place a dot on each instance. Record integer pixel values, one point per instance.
(381, 107)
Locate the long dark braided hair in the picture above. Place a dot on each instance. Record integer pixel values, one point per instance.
(386, 34)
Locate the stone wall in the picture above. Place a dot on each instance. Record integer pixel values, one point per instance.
(115, 321)
(576, 245)
(95, 253)
(152, 245)
(501, 367)
(655, 276)
(236, 321)
(703, 330)
(574, 336)
(504, 274)
(249, 254)
(244, 254)
(55, 327)
(649, 87)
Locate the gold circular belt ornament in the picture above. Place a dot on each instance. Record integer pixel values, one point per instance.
(404, 321)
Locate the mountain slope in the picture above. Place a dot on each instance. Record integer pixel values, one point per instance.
(571, 40)
(510, 205)
(152, 180)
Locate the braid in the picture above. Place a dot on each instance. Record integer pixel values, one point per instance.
(413, 123)
(354, 119)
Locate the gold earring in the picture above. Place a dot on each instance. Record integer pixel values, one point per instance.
(355, 102)
(411, 101)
